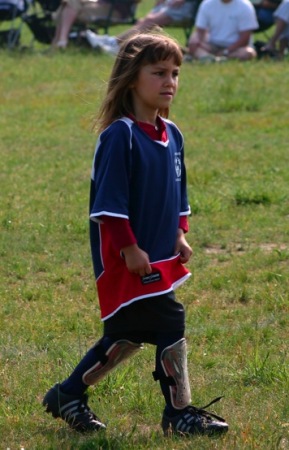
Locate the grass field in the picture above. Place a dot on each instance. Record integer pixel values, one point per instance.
(235, 121)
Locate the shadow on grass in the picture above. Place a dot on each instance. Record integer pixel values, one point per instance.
(137, 438)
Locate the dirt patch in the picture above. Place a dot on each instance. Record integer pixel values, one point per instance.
(268, 247)
(215, 249)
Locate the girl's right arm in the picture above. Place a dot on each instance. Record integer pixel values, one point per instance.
(137, 261)
(124, 241)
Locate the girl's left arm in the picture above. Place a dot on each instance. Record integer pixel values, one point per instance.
(182, 247)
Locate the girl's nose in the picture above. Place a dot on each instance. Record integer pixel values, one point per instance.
(170, 81)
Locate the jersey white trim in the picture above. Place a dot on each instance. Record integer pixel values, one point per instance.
(95, 216)
(174, 286)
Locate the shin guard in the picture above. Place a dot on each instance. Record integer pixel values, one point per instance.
(174, 363)
(116, 353)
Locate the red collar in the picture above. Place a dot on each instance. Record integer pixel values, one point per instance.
(156, 132)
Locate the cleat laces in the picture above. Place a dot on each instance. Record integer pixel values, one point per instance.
(194, 420)
(203, 412)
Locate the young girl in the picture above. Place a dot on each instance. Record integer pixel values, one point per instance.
(138, 221)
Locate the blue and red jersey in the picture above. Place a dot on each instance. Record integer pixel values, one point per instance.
(144, 181)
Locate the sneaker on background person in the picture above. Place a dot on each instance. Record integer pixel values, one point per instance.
(104, 42)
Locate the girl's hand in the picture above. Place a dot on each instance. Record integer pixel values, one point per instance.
(137, 261)
(182, 247)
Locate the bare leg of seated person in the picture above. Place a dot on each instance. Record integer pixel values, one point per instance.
(200, 50)
(205, 50)
(77, 11)
(152, 19)
(149, 22)
(65, 19)
(111, 43)
(279, 30)
(283, 46)
(243, 54)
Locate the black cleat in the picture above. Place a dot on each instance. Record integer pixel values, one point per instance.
(192, 420)
(73, 410)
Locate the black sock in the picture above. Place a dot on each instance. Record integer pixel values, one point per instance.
(74, 385)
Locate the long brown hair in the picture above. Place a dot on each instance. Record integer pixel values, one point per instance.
(135, 52)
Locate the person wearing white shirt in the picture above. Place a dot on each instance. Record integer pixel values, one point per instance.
(224, 29)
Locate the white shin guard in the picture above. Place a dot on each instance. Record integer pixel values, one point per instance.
(174, 363)
(116, 353)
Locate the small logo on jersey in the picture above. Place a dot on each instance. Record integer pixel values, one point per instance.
(151, 278)
(178, 166)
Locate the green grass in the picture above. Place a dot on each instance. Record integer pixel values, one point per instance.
(235, 121)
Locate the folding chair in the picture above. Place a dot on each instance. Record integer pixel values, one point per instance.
(265, 16)
(38, 18)
(10, 12)
(43, 27)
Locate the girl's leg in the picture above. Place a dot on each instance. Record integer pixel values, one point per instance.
(68, 399)
(74, 384)
(171, 370)
(165, 340)
(104, 356)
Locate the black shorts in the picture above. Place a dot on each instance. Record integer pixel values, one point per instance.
(148, 317)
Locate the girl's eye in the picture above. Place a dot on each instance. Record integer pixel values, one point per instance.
(161, 73)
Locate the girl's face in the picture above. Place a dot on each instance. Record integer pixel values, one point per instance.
(154, 89)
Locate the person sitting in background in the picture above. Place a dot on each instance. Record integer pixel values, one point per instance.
(265, 13)
(83, 11)
(224, 29)
(281, 33)
(163, 14)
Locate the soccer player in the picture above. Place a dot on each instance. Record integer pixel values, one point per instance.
(138, 221)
